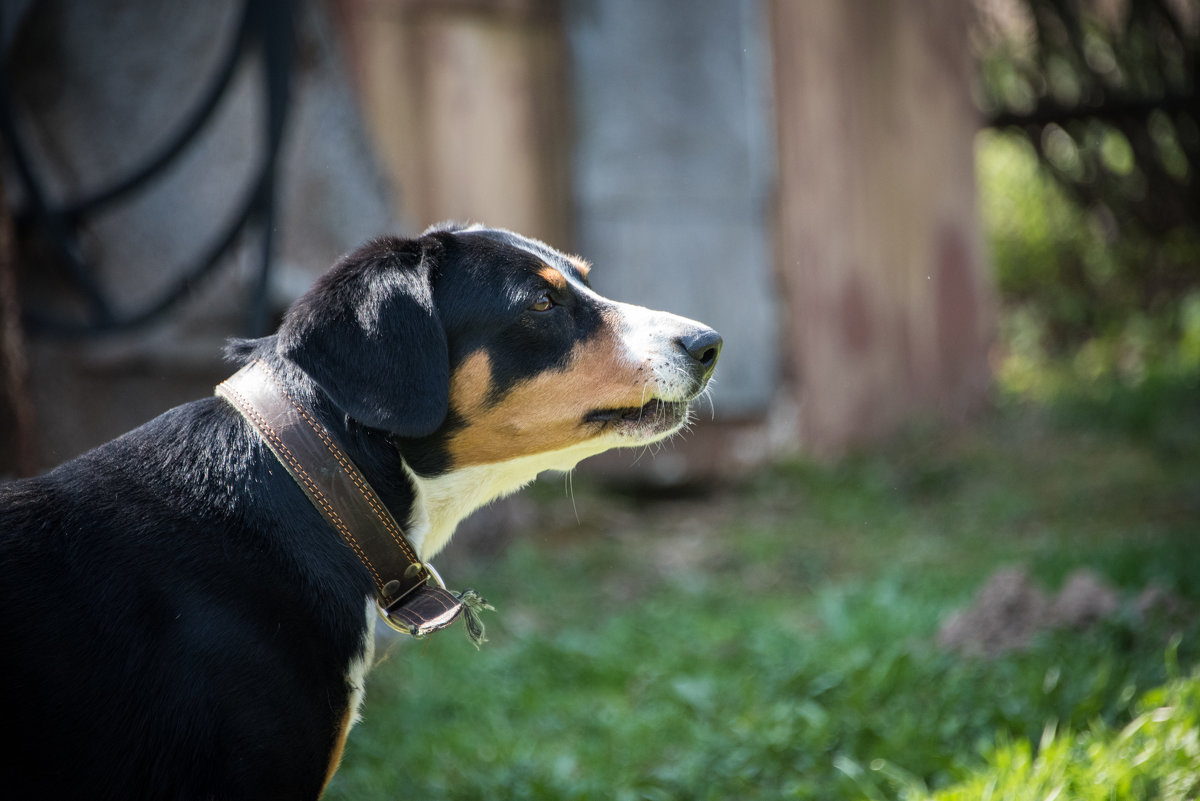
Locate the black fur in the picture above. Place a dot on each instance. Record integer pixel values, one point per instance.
(157, 597)
(176, 620)
(370, 336)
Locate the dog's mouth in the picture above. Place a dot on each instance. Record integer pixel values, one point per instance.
(657, 416)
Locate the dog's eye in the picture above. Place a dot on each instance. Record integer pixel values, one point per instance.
(542, 304)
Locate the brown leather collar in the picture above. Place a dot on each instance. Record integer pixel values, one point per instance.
(410, 594)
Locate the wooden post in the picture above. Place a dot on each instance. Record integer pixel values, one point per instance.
(466, 104)
(887, 304)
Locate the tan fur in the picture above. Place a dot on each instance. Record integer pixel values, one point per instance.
(356, 678)
(553, 277)
(579, 264)
(546, 412)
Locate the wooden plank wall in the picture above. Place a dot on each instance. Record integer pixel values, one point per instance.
(878, 250)
(466, 103)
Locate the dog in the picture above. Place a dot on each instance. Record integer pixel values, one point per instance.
(179, 621)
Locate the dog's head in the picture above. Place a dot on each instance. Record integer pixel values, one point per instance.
(488, 347)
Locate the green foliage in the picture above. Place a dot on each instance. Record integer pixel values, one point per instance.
(1107, 98)
(1156, 755)
(777, 640)
(1088, 184)
(1123, 302)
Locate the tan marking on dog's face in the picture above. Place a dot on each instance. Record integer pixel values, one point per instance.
(582, 266)
(553, 277)
(471, 383)
(546, 412)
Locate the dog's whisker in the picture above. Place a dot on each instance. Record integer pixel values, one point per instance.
(707, 395)
(570, 480)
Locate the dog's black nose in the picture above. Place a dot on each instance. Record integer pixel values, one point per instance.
(704, 346)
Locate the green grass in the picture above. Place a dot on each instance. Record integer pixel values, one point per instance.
(776, 639)
(1156, 755)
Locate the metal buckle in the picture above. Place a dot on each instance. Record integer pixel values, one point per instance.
(436, 576)
(431, 607)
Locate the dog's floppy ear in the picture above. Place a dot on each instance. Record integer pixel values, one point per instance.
(369, 334)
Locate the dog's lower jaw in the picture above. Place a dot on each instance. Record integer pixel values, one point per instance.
(443, 501)
(644, 425)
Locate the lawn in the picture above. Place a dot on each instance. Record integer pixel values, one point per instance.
(778, 638)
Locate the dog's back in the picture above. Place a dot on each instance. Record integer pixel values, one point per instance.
(149, 645)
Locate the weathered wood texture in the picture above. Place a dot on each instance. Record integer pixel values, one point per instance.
(888, 313)
(466, 104)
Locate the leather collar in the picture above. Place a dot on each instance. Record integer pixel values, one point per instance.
(409, 593)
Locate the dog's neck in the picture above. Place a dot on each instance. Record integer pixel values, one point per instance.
(429, 504)
(369, 449)
(445, 500)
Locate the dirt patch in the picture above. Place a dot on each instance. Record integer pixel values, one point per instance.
(1010, 610)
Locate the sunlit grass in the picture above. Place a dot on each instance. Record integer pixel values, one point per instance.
(1155, 755)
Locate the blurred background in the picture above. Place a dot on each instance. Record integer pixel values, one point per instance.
(850, 192)
(800, 176)
(953, 247)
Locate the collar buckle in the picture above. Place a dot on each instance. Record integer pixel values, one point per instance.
(427, 609)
